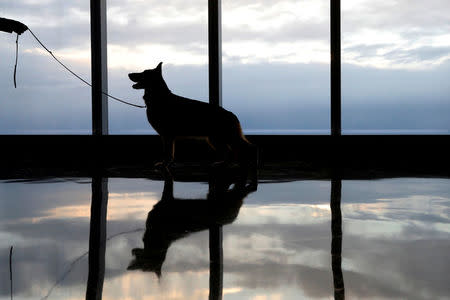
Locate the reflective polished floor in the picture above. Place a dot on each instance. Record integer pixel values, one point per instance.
(122, 238)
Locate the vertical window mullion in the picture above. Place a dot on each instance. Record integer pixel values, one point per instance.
(99, 69)
(215, 51)
(335, 49)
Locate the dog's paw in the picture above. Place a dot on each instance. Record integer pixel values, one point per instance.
(252, 186)
(164, 166)
(219, 164)
(159, 165)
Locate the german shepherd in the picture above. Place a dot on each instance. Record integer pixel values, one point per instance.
(174, 117)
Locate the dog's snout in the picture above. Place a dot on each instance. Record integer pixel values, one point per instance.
(134, 77)
(138, 79)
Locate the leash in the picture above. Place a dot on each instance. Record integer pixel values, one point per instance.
(79, 77)
(67, 68)
(15, 64)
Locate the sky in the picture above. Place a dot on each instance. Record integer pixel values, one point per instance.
(395, 55)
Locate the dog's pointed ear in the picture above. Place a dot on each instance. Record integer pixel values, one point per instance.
(159, 67)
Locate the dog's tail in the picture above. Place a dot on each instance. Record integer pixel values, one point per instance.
(245, 150)
(241, 132)
(237, 132)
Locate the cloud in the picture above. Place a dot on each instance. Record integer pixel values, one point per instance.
(391, 28)
(401, 14)
(423, 267)
(253, 27)
(421, 54)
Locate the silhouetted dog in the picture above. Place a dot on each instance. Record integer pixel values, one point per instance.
(173, 117)
(174, 218)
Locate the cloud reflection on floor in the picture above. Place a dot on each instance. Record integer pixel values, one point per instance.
(395, 241)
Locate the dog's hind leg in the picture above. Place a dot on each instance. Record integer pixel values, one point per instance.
(221, 148)
(253, 156)
(246, 154)
(243, 151)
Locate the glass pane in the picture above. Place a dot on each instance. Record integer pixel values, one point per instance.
(276, 65)
(48, 99)
(148, 32)
(396, 65)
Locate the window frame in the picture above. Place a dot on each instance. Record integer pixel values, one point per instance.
(99, 65)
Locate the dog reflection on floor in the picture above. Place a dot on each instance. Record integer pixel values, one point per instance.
(173, 218)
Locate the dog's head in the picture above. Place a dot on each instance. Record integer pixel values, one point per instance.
(144, 79)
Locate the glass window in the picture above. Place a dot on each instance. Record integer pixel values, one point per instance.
(148, 32)
(48, 99)
(396, 65)
(276, 61)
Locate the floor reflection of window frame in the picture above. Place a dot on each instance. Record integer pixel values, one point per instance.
(97, 238)
(97, 244)
(336, 238)
(215, 262)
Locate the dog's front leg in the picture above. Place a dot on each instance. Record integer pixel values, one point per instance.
(168, 149)
(168, 184)
(168, 145)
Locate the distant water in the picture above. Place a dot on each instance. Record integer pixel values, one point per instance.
(345, 131)
(396, 131)
(288, 131)
(247, 131)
